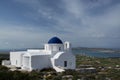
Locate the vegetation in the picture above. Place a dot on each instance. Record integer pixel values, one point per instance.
(106, 69)
(97, 62)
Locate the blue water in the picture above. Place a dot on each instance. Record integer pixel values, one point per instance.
(95, 53)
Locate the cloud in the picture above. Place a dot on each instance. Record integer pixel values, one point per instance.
(108, 20)
(92, 23)
(84, 26)
(22, 37)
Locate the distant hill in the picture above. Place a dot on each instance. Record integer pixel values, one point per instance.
(105, 50)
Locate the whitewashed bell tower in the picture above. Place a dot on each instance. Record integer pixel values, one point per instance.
(67, 46)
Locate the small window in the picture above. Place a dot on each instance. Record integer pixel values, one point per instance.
(59, 48)
(65, 63)
(66, 45)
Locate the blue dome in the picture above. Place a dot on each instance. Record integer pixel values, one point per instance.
(55, 40)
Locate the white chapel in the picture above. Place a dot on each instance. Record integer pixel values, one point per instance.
(56, 54)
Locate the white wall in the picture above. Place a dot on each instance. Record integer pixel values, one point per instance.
(6, 62)
(26, 62)
(40, 62)
(16, 58)
(54, 47)
(71, 61)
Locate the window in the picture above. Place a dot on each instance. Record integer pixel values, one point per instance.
(66, 45)
(59, 48)
(65, 63)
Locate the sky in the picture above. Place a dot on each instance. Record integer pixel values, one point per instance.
(85, 23)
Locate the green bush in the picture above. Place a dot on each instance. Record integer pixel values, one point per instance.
(3, 68)
(47, 70)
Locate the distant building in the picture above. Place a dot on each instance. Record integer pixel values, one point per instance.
(55, 54)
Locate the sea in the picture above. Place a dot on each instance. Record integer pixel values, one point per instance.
(99, 54)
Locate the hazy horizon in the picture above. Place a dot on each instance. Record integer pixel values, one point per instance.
(9, 49)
